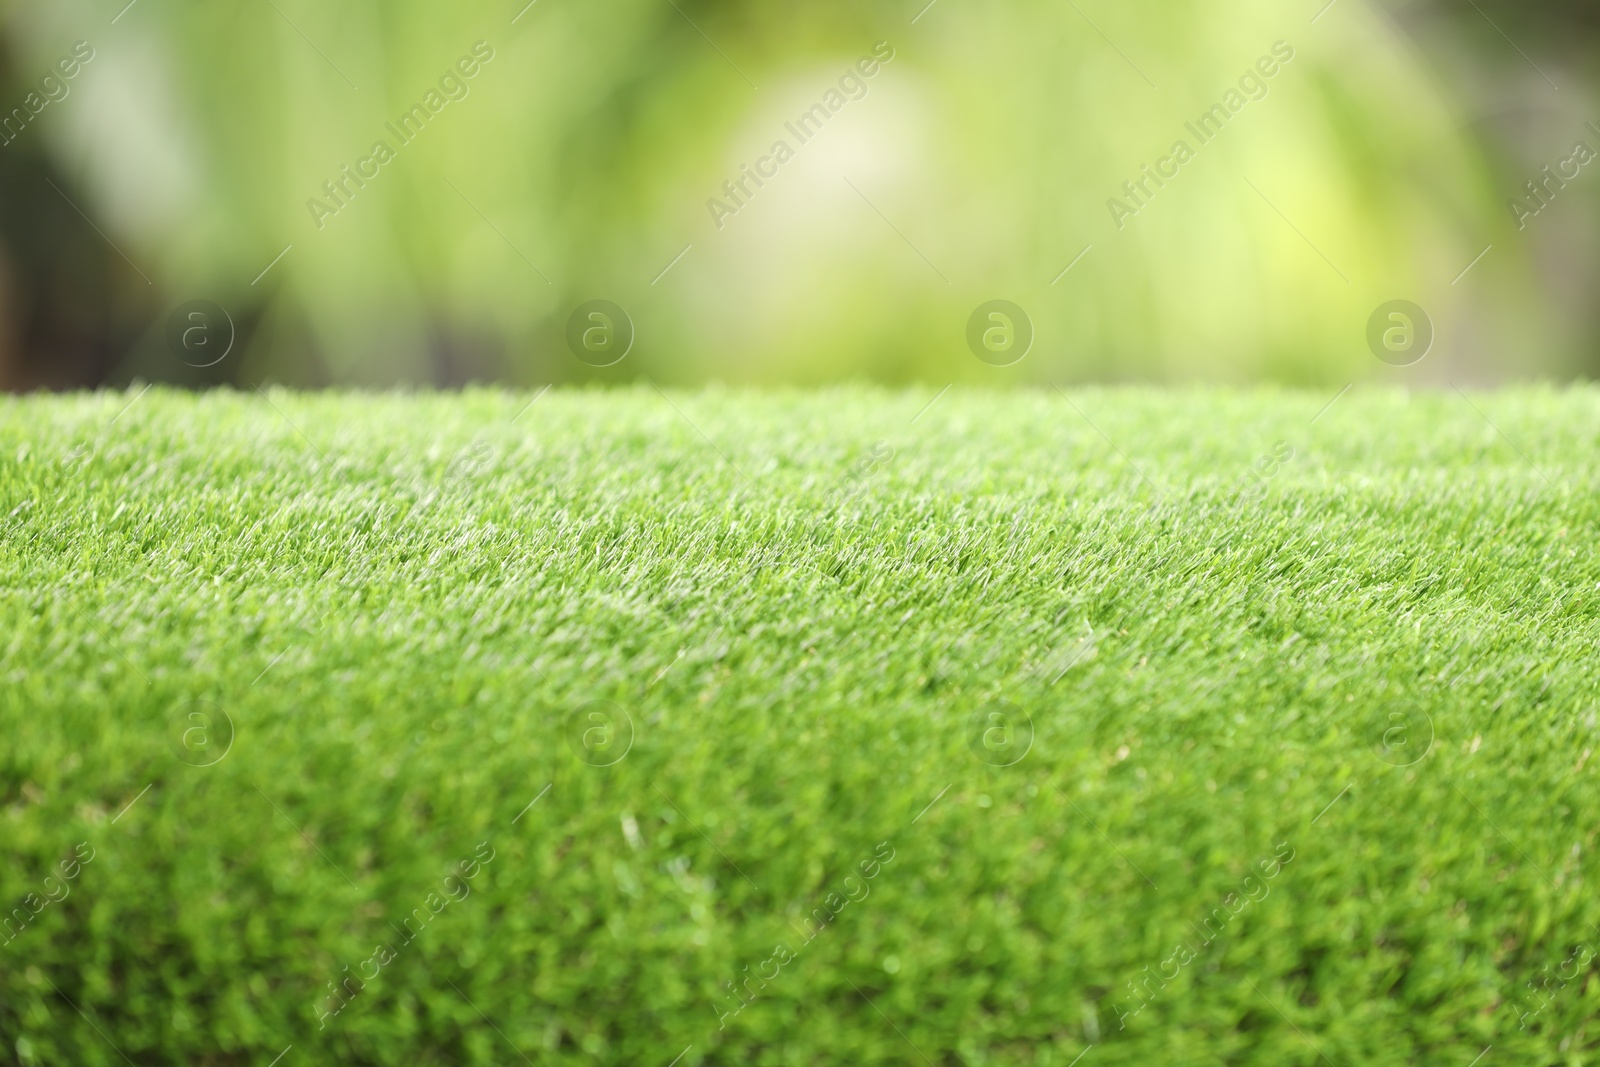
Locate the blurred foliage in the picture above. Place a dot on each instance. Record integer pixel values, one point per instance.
(582, 158)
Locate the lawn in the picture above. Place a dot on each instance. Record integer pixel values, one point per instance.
(1108, 727)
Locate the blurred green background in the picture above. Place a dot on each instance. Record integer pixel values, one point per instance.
(578, 160)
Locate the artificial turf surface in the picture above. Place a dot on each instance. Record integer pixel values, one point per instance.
(1299, 735)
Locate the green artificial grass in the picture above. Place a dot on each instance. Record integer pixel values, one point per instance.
(633, 726)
